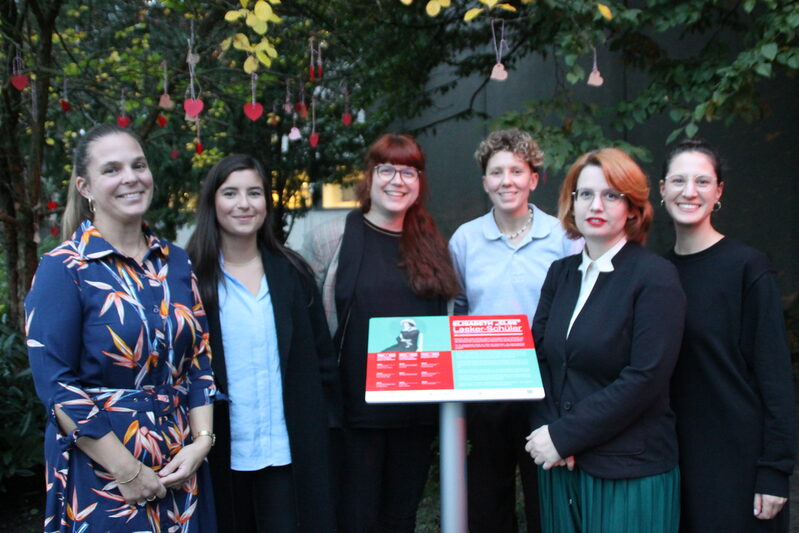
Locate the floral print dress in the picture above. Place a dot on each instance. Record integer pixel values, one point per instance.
(121, 347)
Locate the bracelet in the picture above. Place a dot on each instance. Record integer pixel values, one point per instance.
(206, 433)
(138, 471)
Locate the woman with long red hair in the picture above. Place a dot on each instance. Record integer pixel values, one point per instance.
(385, 259)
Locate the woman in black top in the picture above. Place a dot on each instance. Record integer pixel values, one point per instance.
(732, 388)
(386, 259)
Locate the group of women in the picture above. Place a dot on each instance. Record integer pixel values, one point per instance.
(150, 359)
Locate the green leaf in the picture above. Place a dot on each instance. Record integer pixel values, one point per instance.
(764, 69)
(749, 5)
(691, 129)
(769, 51)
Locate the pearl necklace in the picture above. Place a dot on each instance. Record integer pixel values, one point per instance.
(522, 229)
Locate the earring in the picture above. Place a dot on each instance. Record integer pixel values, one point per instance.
(662, 202)
(717, 206)
(91, 205)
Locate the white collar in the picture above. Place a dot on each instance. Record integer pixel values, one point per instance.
(604, 263)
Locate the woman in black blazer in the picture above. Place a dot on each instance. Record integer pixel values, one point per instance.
(607, 333)
(272, 357)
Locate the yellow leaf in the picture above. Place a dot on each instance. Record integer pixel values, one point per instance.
(260, 28)
(489, 3)
(274, 18)
(250, 65)
(445, 3)
(433, 8)
(605, 11)
(241, 42)
(262, 10)
(472, 13)
(274, 2)
(225, 45)
(507, 7)
(232, 15)
(263, 58)
(252, 20)
(244, 3)
(407, 2)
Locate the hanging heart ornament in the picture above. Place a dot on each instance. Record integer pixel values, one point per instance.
(20, 81)
(499, 73)
(595, 79)
(193, 106)
(165, 102)
(294, 133)
(253, 110)
(123, 121)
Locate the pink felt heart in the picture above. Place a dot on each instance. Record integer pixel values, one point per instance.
(20, 81)
(294, 133)
(346, 119)
(253, 110)
(193, 107)
(313, 139)
(165, 102)
(123, 121)
(499, 73)
(288, 108)
(595, 79)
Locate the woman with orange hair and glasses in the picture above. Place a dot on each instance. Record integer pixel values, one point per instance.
(385, 259)
(607, 332)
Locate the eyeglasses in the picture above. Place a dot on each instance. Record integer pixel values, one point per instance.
(387, 173)
(608, 196)
(702, 182)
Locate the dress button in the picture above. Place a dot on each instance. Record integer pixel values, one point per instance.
(567, 405)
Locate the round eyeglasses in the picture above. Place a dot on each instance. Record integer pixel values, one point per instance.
(387, 172)
(608, 196)
(702, 182)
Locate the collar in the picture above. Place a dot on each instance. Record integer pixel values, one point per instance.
(539, 230)
(90, 243)
(603, 263)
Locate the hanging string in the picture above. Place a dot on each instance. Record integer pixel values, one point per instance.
(17, 64)
(311, 75)
(287, 107)
(502, 46)
(166, 79)
(595, 78)
(192, 59)
(253, 78)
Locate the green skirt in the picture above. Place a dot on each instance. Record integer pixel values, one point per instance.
(576, 502)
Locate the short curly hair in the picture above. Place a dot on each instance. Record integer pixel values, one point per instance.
(516, 141)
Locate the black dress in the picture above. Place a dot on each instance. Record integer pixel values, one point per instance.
(732, 391)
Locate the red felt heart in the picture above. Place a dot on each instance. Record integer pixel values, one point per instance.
(253, 110)
(198, 147)
(52, 205)
(346, 119)
(65, 105)
(319, 71)
(313, 139)
(54, 231)
(174, 154)
(20, 81)
(161, 119)
(311, 75)
(193, 107)
(123, 121)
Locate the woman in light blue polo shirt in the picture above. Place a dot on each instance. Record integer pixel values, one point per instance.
(501, 259)
(273, 358)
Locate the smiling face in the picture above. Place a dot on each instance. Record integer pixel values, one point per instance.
(391, 199)
(118, 180)
(508, 182)
(687, 204)
(240, 204)
(601, 223)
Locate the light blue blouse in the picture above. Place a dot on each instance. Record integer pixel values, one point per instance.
(498, 278)
(258, 433)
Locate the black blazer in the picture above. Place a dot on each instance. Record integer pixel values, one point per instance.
(311, 397)
(607, 385)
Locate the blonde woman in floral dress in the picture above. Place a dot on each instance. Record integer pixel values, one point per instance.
(118, 351)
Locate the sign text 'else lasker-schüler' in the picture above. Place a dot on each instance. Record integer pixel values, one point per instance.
(451, 359)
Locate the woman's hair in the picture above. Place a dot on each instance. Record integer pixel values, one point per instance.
(695, 145)
(77, 208)
(423, 253)
(518, 142)
(204, 245)
(621, 173)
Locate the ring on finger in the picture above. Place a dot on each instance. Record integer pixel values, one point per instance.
(151, 498)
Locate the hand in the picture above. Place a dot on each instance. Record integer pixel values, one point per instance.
(146, 486)
(768, 506)
(568, 463)
(185, 463)
(542, 449)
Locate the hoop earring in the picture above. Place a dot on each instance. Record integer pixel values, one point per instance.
(91, 205)
(662, 202)
(717, 206)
